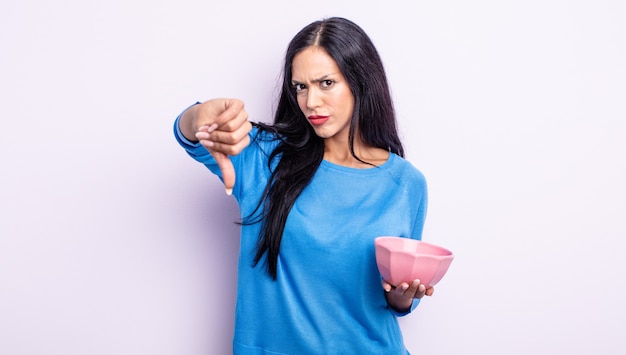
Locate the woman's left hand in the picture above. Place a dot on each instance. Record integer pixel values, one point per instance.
(401, 296)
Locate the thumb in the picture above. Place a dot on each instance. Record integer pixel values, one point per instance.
(228, 170)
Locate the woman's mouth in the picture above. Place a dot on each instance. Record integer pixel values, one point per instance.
(317, 120)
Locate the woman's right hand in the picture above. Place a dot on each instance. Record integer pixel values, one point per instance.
(222, 127)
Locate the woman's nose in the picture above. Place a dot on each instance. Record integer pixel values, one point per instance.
(313, 99)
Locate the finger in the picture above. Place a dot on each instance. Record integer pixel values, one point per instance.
(401, 289)
(227, 169)
(387, 286)
(421, 290)
(232, 137)
(207, 128)
(231, 121)
(217, 112)
(203, 132)
(225, 148)
(430, 291)
(232, 110)
(415, 290)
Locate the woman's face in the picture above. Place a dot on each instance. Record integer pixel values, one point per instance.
(323, 93)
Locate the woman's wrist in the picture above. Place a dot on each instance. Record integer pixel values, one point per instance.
(187, 123)
(398, 303)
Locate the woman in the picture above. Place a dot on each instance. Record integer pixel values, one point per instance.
(314, 189)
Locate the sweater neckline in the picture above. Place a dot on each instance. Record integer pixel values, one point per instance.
(361, 171)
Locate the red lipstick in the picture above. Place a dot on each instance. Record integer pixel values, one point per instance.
(317, 120)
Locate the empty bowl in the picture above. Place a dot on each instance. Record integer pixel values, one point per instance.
(404, 260)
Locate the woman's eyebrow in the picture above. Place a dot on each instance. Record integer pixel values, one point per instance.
(322, 78)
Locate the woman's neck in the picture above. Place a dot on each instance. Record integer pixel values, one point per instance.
(339, 153)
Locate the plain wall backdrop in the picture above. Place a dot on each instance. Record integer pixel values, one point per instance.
(113, 241)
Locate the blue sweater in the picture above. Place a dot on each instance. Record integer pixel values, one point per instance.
(327, 298)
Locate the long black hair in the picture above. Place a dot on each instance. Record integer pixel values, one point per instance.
(300, 150)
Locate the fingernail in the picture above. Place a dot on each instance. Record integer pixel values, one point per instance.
(212, 127)
(202, 135)
(229, 191)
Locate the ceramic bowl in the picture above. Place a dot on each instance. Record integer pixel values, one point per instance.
(404, 260)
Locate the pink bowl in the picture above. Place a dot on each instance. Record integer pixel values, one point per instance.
(404, 260)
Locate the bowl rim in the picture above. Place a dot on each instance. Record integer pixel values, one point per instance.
(448, 252)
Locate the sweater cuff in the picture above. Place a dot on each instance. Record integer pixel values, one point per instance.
(179, 134)
(416, 302)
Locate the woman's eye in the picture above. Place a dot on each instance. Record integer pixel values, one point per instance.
(299, 87)
(327, 83)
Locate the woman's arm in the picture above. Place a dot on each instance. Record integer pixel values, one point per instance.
(222, 127)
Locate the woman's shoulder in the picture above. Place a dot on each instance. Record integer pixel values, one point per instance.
(403, 170)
